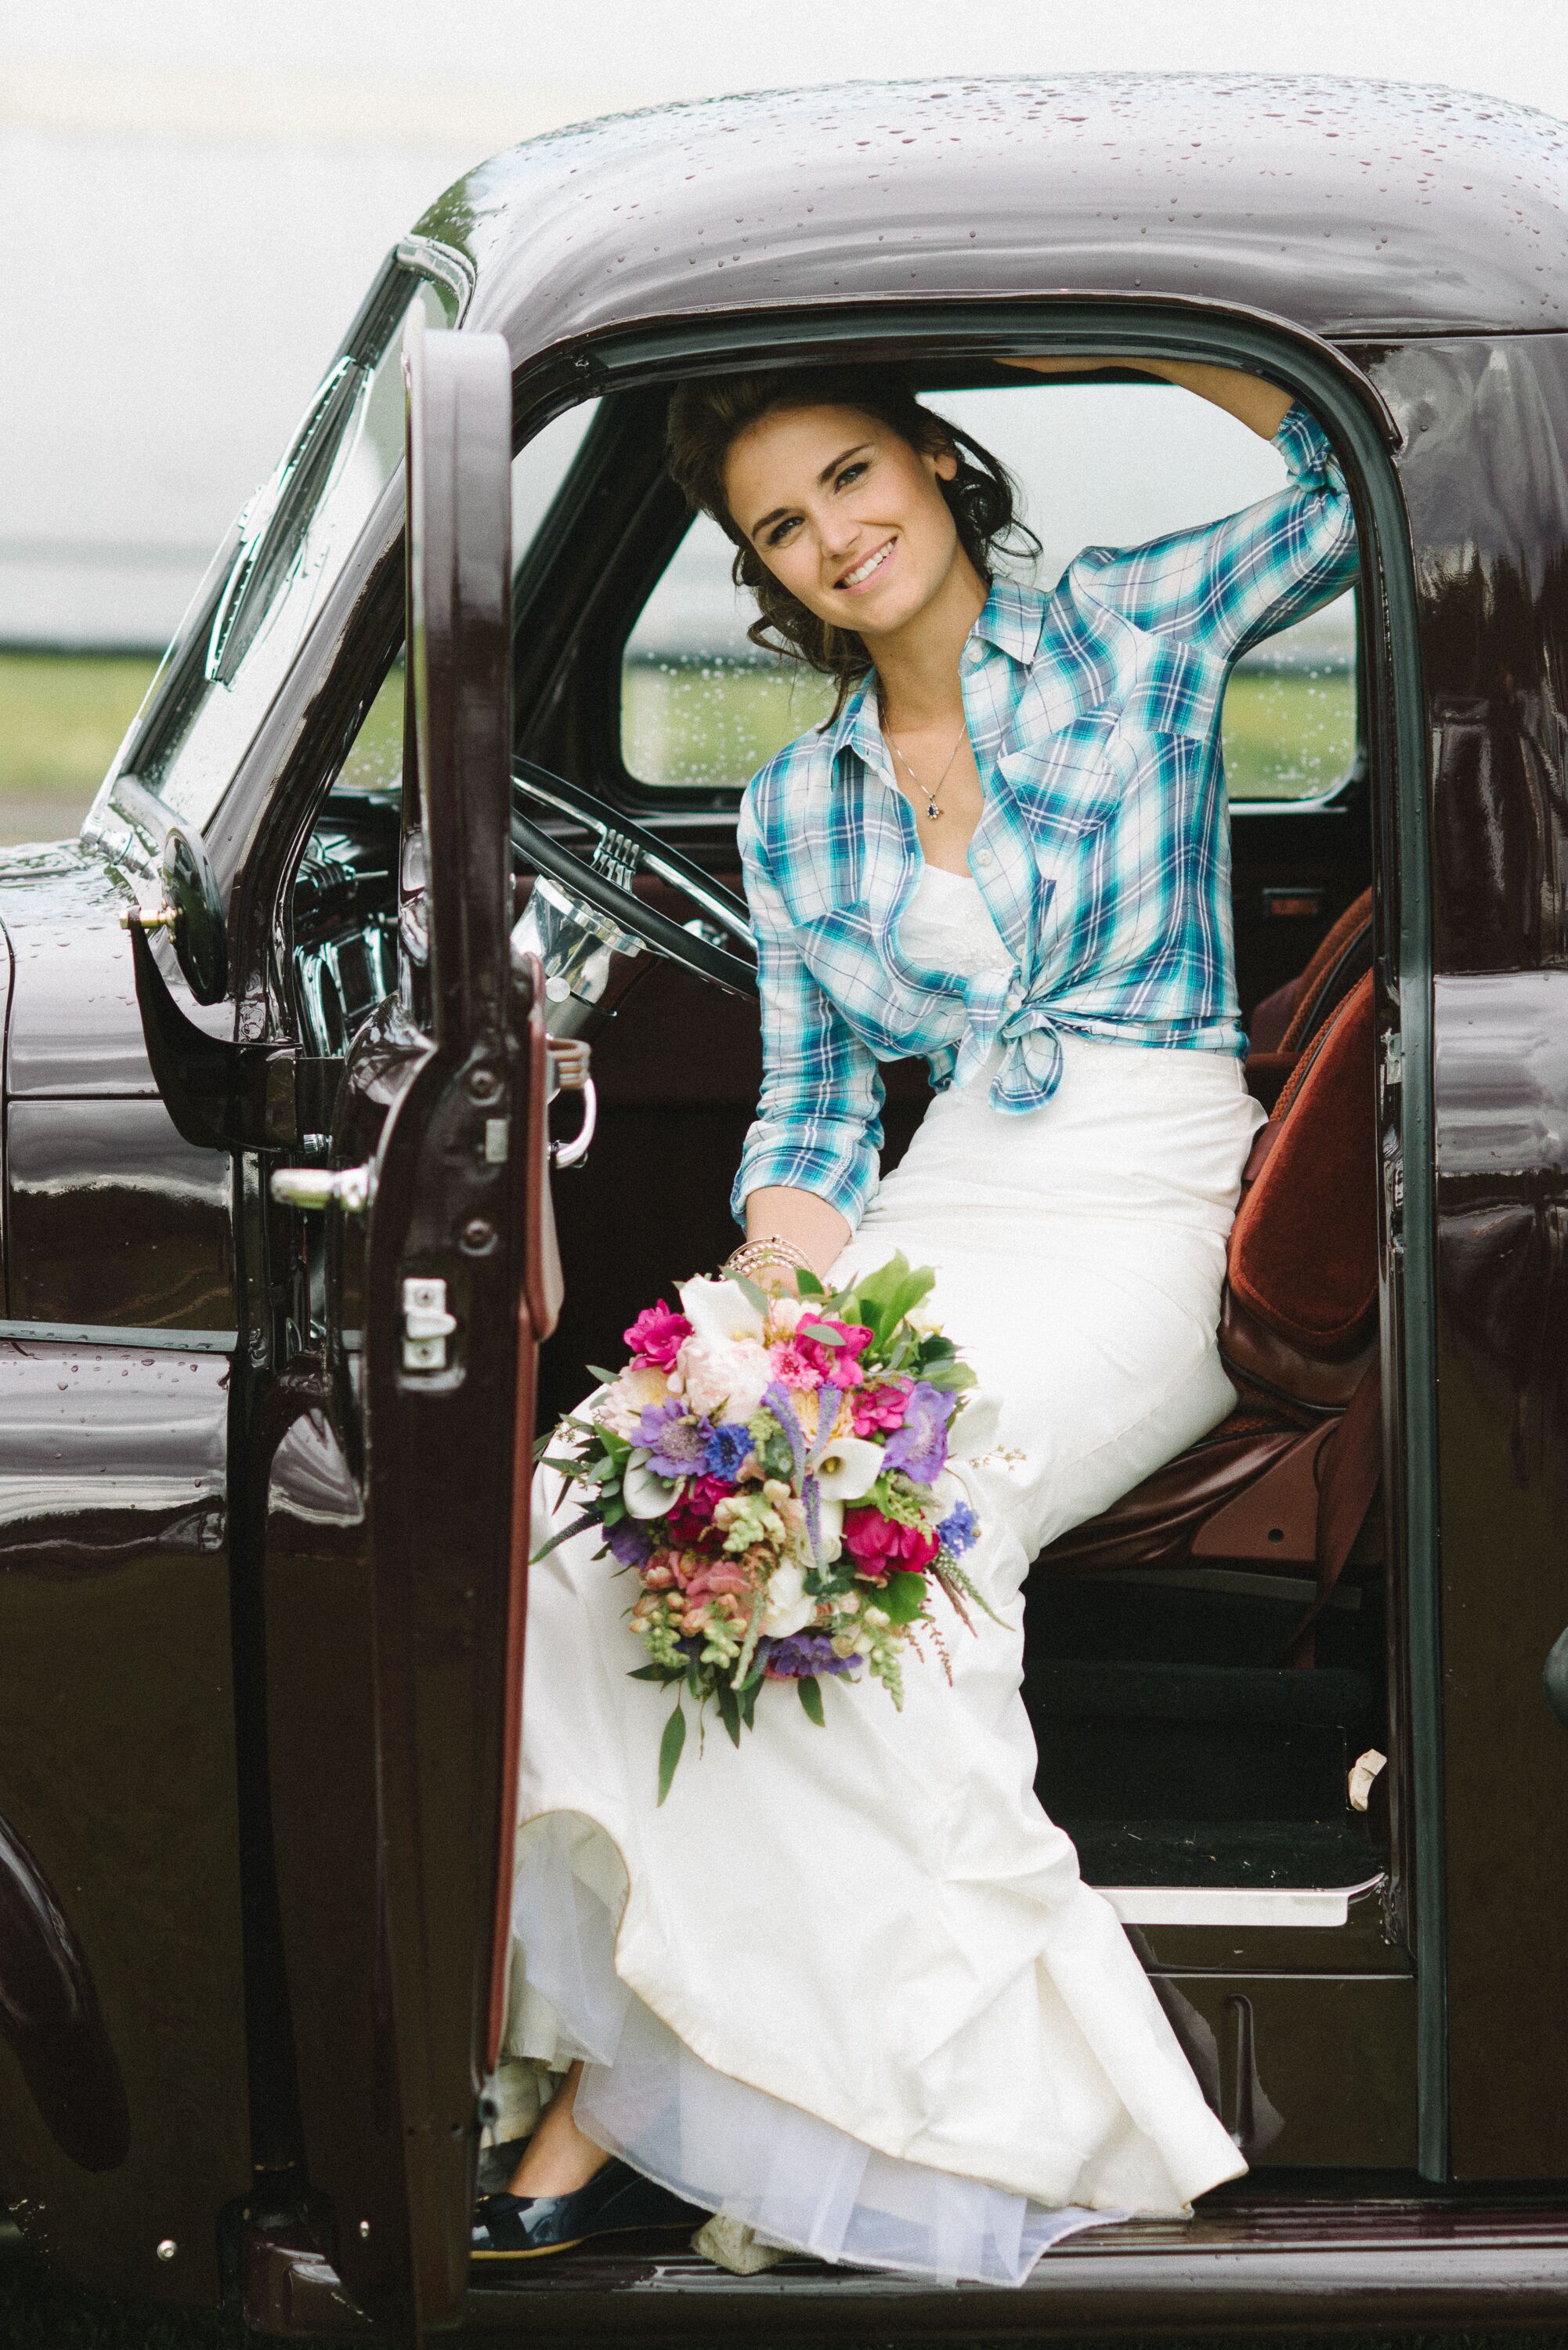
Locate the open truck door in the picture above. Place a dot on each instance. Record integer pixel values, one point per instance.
(397, 1487)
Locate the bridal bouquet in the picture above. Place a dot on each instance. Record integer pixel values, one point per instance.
(771, 1470)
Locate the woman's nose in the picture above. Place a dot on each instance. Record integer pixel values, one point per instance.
(838, 536)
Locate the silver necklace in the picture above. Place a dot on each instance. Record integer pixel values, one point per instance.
(930, 792)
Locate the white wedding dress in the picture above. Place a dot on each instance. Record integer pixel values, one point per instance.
(846, 1984)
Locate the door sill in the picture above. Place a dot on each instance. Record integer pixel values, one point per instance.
(1236, 1905)
(1257, 2254)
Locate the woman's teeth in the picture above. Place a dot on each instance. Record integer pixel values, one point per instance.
(863, 570)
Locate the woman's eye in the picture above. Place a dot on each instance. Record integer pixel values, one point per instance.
(850, 473)
(781, 530)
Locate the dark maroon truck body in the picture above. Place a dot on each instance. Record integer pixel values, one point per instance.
(246, 1900)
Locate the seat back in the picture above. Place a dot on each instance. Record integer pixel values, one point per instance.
(1302, 1290)
(1287, 1021)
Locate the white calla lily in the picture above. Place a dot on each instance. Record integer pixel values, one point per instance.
(645, 1494)
(830, 1526)
(719, 1311)
(848, 1468)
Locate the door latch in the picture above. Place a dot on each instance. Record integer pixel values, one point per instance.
(427, 1325)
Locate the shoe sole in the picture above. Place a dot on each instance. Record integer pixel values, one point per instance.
(570, 2243)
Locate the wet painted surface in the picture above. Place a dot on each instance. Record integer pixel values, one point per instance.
(1351, 208)
(117, 1763)
(1485, 476)
(50, 2018)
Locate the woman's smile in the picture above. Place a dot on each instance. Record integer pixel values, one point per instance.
(861, 574)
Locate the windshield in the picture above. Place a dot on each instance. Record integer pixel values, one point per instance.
(288, 550)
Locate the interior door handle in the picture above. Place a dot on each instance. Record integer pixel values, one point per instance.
(352, 1189)
(1554, 1678)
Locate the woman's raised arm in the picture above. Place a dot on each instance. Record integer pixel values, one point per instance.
(1260, 405)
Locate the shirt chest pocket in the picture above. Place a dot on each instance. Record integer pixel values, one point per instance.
(1067, 799)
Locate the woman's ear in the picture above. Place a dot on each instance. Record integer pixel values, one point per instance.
(945, 464)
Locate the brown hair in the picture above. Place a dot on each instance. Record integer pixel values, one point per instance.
(706, 416)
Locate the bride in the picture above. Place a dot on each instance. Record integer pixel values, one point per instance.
(848, 1988)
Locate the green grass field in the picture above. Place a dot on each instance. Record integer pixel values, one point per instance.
(1288, 734)
(62, 718)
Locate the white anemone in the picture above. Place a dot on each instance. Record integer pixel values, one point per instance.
(719, 1311)
(645, 1494)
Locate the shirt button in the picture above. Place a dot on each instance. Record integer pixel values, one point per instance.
(971, 653)
(985, 857)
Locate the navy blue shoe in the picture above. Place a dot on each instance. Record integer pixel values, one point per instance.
(616, 2201)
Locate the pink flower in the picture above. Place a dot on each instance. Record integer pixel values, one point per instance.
(656, 1334)
(836, 1364)
(717, 1576)
(793, 1364)
(690, 1517)
(879, 1410)
(879, 1544)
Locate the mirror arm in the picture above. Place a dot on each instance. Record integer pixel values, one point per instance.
(222, 1096)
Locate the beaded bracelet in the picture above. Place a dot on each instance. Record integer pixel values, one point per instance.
(753, 1255)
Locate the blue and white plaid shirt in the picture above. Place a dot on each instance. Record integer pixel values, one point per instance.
(1103, 853)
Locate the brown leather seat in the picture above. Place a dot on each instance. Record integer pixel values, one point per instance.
(1283, 1023)
(1298, 1334)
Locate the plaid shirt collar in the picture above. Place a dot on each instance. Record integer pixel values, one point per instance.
(1010, 622)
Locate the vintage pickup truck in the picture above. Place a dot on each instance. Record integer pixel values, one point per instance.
(283, 1030)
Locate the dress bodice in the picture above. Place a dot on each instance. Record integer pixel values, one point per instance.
(947, 926)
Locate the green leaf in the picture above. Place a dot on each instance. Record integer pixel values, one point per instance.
(749, 1289)
(810, 1697)
(903, 1598)
(729, 1711)
(807, 1282)
(747, 1700)
(606, 1379)
(578, 1526)
(669, 1747)
(657, 1673)
(821, 1333)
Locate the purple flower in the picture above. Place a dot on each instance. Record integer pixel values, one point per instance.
(728, 1445)
(801, 1655)
(778, 1403)
(920, 1446)
(629, 1542)
(958, 1530)
(677, 1444)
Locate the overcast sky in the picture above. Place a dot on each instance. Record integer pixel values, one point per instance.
(195, 194)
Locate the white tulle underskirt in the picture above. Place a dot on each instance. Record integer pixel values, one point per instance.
(798, 2181)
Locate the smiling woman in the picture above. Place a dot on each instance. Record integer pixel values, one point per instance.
(1005, 850)
(811, 600)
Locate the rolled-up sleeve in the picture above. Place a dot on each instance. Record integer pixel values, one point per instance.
(818, 1124)
(1229, 585)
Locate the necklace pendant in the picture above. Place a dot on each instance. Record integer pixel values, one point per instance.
(932, 810)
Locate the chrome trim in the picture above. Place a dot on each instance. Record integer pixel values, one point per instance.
(1235, 1904)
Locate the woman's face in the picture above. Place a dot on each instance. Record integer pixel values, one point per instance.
(845, 514)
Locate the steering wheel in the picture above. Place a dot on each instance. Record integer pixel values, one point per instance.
(716, 944)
